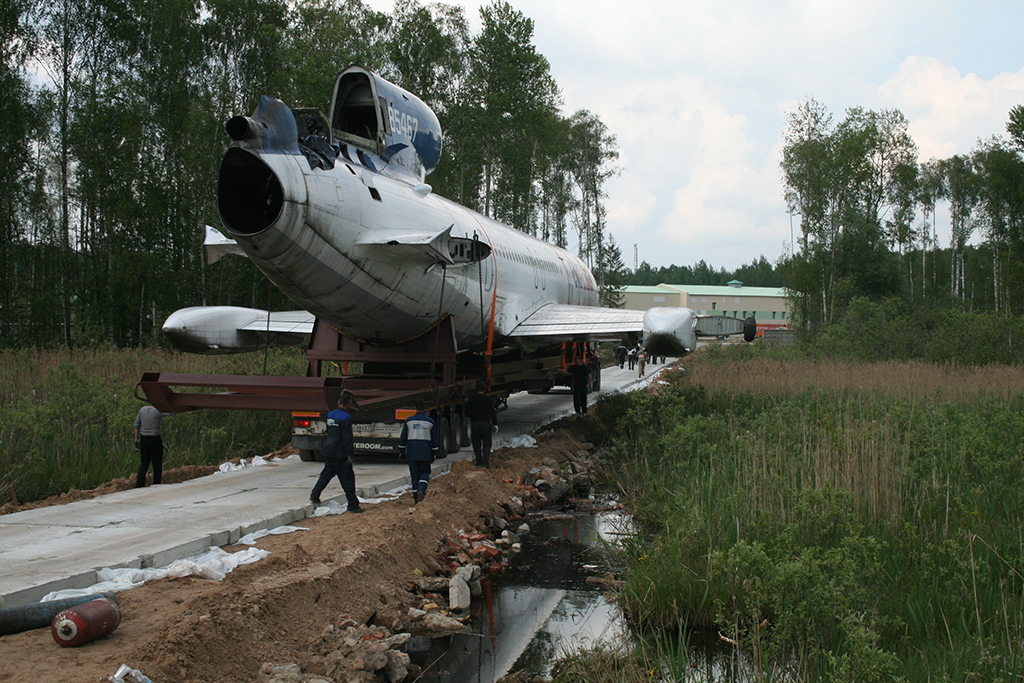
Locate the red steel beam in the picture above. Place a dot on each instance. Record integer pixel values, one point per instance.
(241, 392)
(254, 392)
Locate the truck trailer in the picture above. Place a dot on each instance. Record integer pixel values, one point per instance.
(386, 382)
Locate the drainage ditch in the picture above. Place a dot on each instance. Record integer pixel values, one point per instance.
(550, 602)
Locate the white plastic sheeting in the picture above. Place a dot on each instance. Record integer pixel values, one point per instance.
(214, 564)
(521, 441)
(250, 539)
(257, 461)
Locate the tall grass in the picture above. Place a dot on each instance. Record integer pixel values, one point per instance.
(66, 416)
(862, 520)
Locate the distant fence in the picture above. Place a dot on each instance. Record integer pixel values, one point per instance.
(779, 337)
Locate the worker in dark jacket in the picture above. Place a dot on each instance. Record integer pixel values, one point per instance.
(580, 376)
(483, 417)
(418, 444)
(337, 452)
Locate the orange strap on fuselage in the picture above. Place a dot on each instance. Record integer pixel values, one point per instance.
(490, 327)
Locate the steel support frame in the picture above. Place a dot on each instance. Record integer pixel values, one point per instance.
(315, 392)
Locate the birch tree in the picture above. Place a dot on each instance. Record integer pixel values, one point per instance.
(962, 193)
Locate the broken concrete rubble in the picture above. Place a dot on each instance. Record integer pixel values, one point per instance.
(459, 597)
(436, 625)
(354, 654)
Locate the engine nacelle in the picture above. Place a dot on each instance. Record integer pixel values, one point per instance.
(670, 331)
(674, 331)
(213, 330)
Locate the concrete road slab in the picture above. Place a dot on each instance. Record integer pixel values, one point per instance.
(62, 546)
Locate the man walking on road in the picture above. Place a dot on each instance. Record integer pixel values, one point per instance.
(338, 451)
(483, 417)
(580, 384)
(620, 355)
(418, 443)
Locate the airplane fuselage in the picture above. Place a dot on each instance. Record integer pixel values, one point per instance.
(368, 249)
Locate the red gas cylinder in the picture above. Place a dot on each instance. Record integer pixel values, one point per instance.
(81, 624)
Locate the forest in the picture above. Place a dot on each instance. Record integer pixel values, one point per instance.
(867, 213)
(114, 133)
(866, 208)
(113, 137)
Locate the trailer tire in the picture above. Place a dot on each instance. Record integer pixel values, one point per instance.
(455, 438)
(444, 436)
(309, 455)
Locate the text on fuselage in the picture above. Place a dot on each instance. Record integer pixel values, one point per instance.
(403, 123)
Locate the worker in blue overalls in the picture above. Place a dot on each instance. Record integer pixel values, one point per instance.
(338, 451)
(418, 445)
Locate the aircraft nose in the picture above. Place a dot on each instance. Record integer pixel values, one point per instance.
(260, 182)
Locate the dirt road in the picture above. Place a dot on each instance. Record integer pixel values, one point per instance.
(344, 569)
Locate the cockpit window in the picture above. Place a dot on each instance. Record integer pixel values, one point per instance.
(355, 111)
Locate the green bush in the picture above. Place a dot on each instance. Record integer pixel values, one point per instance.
(892, 329)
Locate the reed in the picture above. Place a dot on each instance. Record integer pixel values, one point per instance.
(66, 416)
(740, 372)
(865, 516)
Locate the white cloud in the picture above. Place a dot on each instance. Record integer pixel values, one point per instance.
(696, 95)
(694, 184)
(730, 214)
(949, 112)
(630, 206)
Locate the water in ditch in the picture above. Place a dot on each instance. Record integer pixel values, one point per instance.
(543, 606)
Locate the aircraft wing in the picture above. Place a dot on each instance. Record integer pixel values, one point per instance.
(563, 320)
(217, 246)
(288, 322)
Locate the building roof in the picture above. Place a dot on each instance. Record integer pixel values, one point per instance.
(644, 289)
(708, 290)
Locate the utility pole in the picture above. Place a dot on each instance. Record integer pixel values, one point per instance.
(635, 265)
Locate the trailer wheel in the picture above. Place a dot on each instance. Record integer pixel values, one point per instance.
(444, 436)
(309, 455)
(455, 438)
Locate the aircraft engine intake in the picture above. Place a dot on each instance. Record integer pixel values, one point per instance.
(249, 194)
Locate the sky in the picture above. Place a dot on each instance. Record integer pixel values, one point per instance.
(696, 93)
